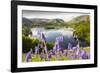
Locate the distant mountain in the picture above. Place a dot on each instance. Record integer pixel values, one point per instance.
(42, 21)
(26, 22)
(56, 21)
(39, 21)
(83, 18)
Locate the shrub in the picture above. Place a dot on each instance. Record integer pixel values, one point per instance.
(50, 45)
(28, 43)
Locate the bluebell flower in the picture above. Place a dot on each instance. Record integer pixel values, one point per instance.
(84, 55)
(58, 47)
(69, 46)
(42, 56)
(49, 56)
(45, 49)
(39, 32)
(74, 48)
(43, 38)
(78, 46)
(60, 39)
(65, 52)
(29, 55)
(37, 50)
(50, 51)
(31, 50)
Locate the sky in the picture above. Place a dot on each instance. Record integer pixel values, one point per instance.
(66, 16)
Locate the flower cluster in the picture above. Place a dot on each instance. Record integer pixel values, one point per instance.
(42, 36)
(71, 52)
(57, 46)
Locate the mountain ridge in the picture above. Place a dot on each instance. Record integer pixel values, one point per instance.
(57, 21)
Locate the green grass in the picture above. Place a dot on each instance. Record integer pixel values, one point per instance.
(65, 58)
(23, 57)
(53, 59)
(36, 58)
(87, 49)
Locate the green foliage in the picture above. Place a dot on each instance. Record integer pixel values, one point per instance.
(50, 45)
(53, 59)
(87, 49)
(49, 27)
(36, 58)
(25, 30)
(88, 39)
(83, 32)
(65, 58)
(82, 28)
(28, 43)
(23, 57)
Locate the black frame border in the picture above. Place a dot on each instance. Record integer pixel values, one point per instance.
(14, 5)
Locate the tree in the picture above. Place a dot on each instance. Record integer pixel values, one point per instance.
(83, 31)
(25, 30)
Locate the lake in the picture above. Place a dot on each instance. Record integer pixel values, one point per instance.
(51, 35)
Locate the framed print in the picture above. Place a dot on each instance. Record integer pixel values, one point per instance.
(52, 36)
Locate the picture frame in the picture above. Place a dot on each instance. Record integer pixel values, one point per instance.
(17, 11)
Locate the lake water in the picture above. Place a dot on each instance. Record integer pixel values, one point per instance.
(51, 35)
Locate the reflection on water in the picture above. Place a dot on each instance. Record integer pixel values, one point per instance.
(51, 35)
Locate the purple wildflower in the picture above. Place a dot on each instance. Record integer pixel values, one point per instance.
(54, 48)
(69, 46)
(45, 49)
(65, 52)
(39, 32)
(84, 55)
(29, 55)
(74, 48)
(57, 46)
(72, 57)
(49, 56)
(43, 38)
(37, 50)
(53, 51)
(39, 45)
(31, 50)
(60, 39)
(42, 56)
(78, 46)
(50, 51)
